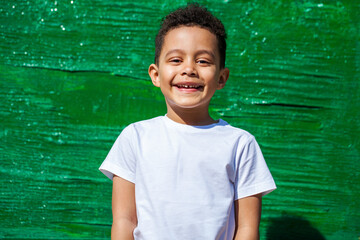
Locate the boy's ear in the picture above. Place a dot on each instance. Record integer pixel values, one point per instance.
(154, 74)
(224, 75)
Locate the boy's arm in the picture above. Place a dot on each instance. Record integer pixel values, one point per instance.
(247, 217)
(123, 209)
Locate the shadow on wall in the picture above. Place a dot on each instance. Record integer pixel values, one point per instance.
(292, 228)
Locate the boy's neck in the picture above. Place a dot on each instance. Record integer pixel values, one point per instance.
(194, 117)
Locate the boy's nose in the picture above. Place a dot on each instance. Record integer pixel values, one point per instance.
(189, 69)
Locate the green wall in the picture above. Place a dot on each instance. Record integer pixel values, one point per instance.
(73, 74)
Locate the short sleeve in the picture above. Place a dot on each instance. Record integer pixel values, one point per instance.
(252, 174)
(121, 160)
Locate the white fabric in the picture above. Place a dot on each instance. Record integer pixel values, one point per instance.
(187, 177)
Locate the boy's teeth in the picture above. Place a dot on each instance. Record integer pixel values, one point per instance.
(187, 86)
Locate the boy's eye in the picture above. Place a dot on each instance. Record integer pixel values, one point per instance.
(175, 60)
(203, 61)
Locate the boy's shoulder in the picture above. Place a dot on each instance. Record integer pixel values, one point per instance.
(147, 122)
(143, 125)
(236, 132)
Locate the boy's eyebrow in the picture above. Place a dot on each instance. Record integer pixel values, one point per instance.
(173, 51)
(206, 52)
(197, 53)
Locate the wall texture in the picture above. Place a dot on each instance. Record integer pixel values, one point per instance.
(74, 73)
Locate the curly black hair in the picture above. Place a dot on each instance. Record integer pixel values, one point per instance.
(192, 15)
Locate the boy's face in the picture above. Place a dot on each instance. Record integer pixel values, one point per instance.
(189, 71)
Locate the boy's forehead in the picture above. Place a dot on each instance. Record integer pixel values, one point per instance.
(190, 35)
(196, 28)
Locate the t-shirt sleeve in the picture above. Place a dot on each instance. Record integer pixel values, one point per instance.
(252, 174)
(121, 160)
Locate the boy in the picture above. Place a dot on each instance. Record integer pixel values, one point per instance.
(185, 175)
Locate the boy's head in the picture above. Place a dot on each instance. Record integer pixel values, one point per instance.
(192, 15)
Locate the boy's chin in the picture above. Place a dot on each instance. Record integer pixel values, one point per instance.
(188, 106)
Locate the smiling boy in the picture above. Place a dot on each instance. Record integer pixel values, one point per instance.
(185, 175)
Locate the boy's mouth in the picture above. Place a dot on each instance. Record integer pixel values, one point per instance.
(189, 86)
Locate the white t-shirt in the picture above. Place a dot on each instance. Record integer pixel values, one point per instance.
(187, 177)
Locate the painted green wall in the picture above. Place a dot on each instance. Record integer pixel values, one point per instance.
(73, 74)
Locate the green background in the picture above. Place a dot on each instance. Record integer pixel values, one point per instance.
(73, 74)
